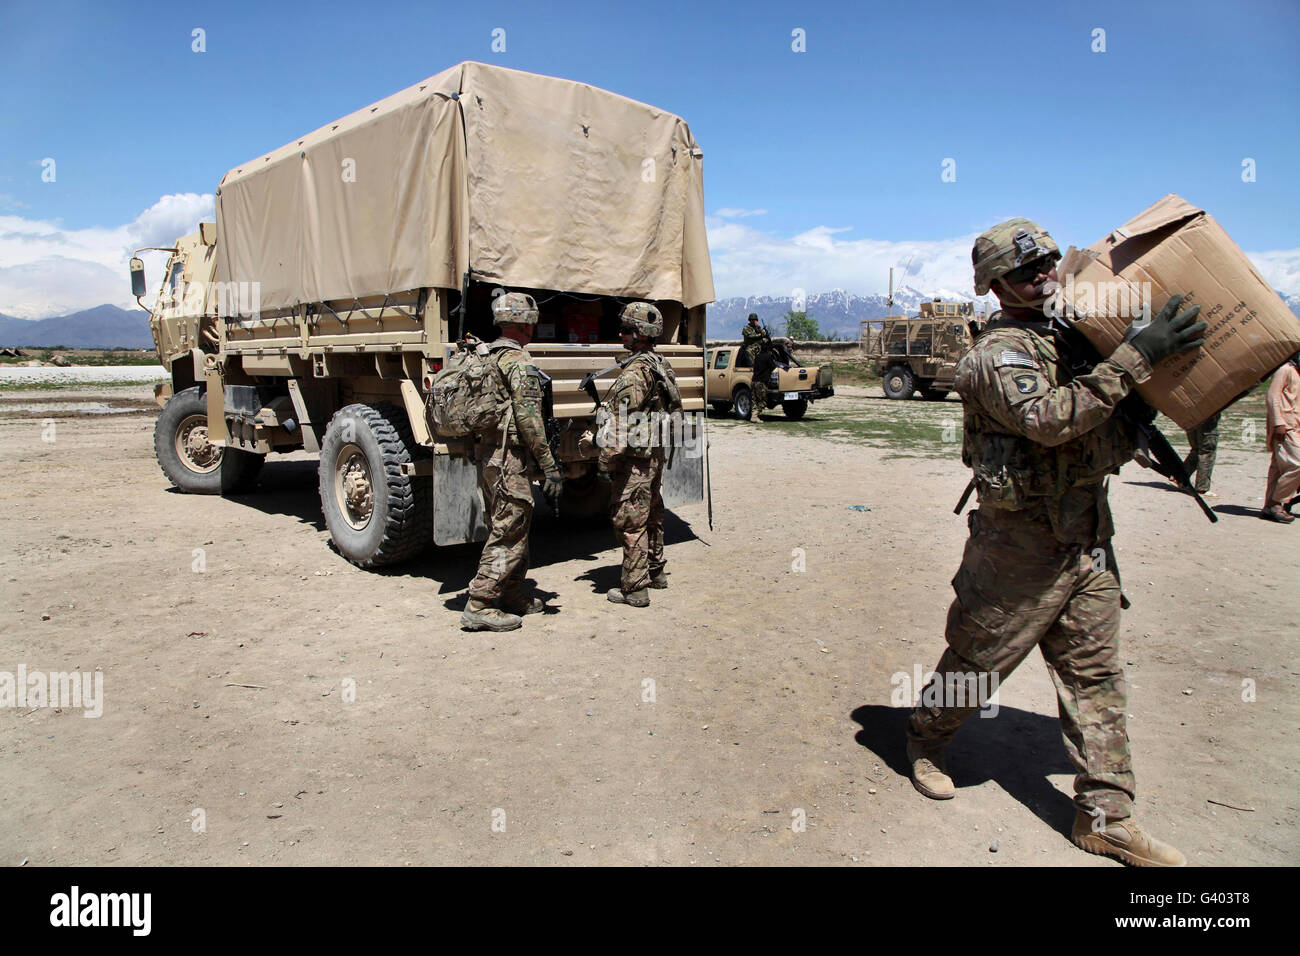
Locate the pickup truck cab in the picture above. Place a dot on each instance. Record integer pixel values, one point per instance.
(792, 385)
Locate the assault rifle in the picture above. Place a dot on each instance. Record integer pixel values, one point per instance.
(1080, 357)
(588, 383)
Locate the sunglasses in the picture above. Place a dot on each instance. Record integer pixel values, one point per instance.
(1031, 270)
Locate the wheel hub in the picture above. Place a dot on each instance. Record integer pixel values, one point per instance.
(193, 447)
(356, 493)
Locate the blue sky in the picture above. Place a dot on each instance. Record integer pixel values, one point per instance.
(841, 147)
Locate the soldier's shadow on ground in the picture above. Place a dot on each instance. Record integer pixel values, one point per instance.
(292, 488)
(1237, 511)
(1016, 749)
(552, 542)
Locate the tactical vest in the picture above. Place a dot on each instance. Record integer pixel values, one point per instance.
(665, 396)
(1012, 472)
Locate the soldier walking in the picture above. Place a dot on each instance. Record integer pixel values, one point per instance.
(1203, 442)
(635, 460)
(507, 460)
(1038, 569)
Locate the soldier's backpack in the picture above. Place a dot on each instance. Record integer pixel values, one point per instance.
(467, 397)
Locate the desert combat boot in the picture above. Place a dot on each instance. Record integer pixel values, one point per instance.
(482, 616)
(1124, 840)
(519, 605)
(639, 598)
(929, 775)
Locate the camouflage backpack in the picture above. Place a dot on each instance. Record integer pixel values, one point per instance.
(467, 397)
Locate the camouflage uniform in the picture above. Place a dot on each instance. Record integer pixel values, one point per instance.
(637, 472)
(753, 336)
(1204, 443)
(1038, 569)
(506, 467)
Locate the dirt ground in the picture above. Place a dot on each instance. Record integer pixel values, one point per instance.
(266, 702)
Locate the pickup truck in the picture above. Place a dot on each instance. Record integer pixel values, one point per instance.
(728, 373)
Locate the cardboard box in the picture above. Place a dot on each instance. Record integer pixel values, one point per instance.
(1171, 248)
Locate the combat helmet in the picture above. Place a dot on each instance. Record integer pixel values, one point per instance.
(1007, 246)
(644, 318)
(514, 308)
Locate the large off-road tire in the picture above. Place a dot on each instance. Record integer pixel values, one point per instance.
(794, 408)
(898, 382)
(376, 515)
(180, 442)
(742, 403)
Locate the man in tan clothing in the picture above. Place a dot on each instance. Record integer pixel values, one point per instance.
(1284, 442)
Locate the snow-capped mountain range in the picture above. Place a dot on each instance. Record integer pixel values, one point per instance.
(841, 312)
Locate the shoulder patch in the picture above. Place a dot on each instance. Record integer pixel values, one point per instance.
(1014, 358)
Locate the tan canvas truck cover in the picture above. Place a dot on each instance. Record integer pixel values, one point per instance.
(522, 180)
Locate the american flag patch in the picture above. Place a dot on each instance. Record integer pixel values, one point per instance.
(1011, 357)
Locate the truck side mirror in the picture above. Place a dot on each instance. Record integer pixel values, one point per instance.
(138, 286)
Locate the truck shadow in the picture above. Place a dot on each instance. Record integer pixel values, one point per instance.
(291, 488)
(1017, 750)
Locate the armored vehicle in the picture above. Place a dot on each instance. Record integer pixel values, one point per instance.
(921, 353)
(344, 268)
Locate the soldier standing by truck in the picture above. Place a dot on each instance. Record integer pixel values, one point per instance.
(1038, 569)
(755, 337)
(507, 460)
(635, 461)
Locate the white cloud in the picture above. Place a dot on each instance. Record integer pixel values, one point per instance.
(1280, 269)
(50, 270)
(734, 213)
(747, 261)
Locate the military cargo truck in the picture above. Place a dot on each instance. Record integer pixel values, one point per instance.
(921, 353)
(344, 267)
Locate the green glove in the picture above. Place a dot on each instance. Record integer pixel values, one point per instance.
(1169, 333)
(552, 489)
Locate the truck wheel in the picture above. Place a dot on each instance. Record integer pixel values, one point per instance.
(376, 515)
(898, 382)
(794, 408)
(180, 442)
(936, 394)
(742, 403)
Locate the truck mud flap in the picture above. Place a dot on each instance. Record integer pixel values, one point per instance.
(457, 505)
(684, 479)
